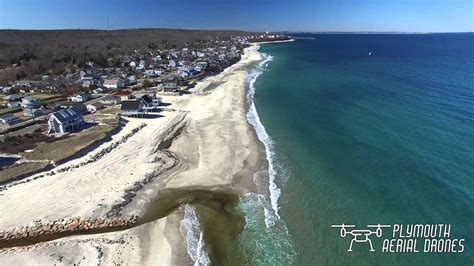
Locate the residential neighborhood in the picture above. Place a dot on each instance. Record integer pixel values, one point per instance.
(88, 103)
(125, 81)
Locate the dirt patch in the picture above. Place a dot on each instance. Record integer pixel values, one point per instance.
(49, 149)
(21, 170)
(18, 144)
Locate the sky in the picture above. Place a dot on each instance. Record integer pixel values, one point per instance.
(250, 15)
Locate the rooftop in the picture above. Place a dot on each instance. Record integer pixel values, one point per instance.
(67, 114)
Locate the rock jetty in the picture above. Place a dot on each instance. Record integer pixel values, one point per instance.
(75, 224)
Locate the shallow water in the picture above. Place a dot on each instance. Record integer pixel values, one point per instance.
(363, 139)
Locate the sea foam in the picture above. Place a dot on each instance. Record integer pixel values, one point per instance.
(191, 227)
(254, 120)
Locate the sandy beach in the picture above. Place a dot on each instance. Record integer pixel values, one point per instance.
(149, 170)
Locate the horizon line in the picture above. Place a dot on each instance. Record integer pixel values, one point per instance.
(249, 31)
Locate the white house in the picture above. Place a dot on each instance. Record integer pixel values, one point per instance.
(99, 90)
(152, 73)
(66, 120)
(30, 102)
(80, 97)
(172, 63)
(183, 73)
(94, 107)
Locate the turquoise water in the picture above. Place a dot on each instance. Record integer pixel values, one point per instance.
(364, 139)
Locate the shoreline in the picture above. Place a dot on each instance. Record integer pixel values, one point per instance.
(269, 42)
(239, 160)
(264, 138)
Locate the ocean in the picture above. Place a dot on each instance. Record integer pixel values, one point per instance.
(362, 129)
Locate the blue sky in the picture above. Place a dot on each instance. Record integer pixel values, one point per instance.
(254, 15)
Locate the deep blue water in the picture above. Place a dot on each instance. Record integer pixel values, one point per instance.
(363, 139)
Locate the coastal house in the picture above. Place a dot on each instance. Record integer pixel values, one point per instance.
(111, 100)
(152, 73)
(77, 105)
(133, 108)
(8, 119)
(130, 80)
(13, 105)
(88, 78)
(150, 101)
(87, 74)
(67, 120)
(172, 63)
(87, 83)
(170, 87)
(5, 90)
(13, 98)
(100, 90)
(115, 83)
(33, 112)
(183, 72)
(201, 65)
(141, 66)
(94, 107)
(30, 102)
(124, 94)
(80, 97)
(23, 83)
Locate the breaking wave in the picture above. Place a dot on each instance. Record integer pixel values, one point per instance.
(265, 234)
(254, 120)
(191, 227)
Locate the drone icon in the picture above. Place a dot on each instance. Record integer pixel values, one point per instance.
(360, 235)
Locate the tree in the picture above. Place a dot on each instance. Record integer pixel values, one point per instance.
(146, 83)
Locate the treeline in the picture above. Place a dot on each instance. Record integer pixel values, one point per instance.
(62, 51)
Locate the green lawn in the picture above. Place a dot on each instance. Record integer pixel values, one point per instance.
(8, 110)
